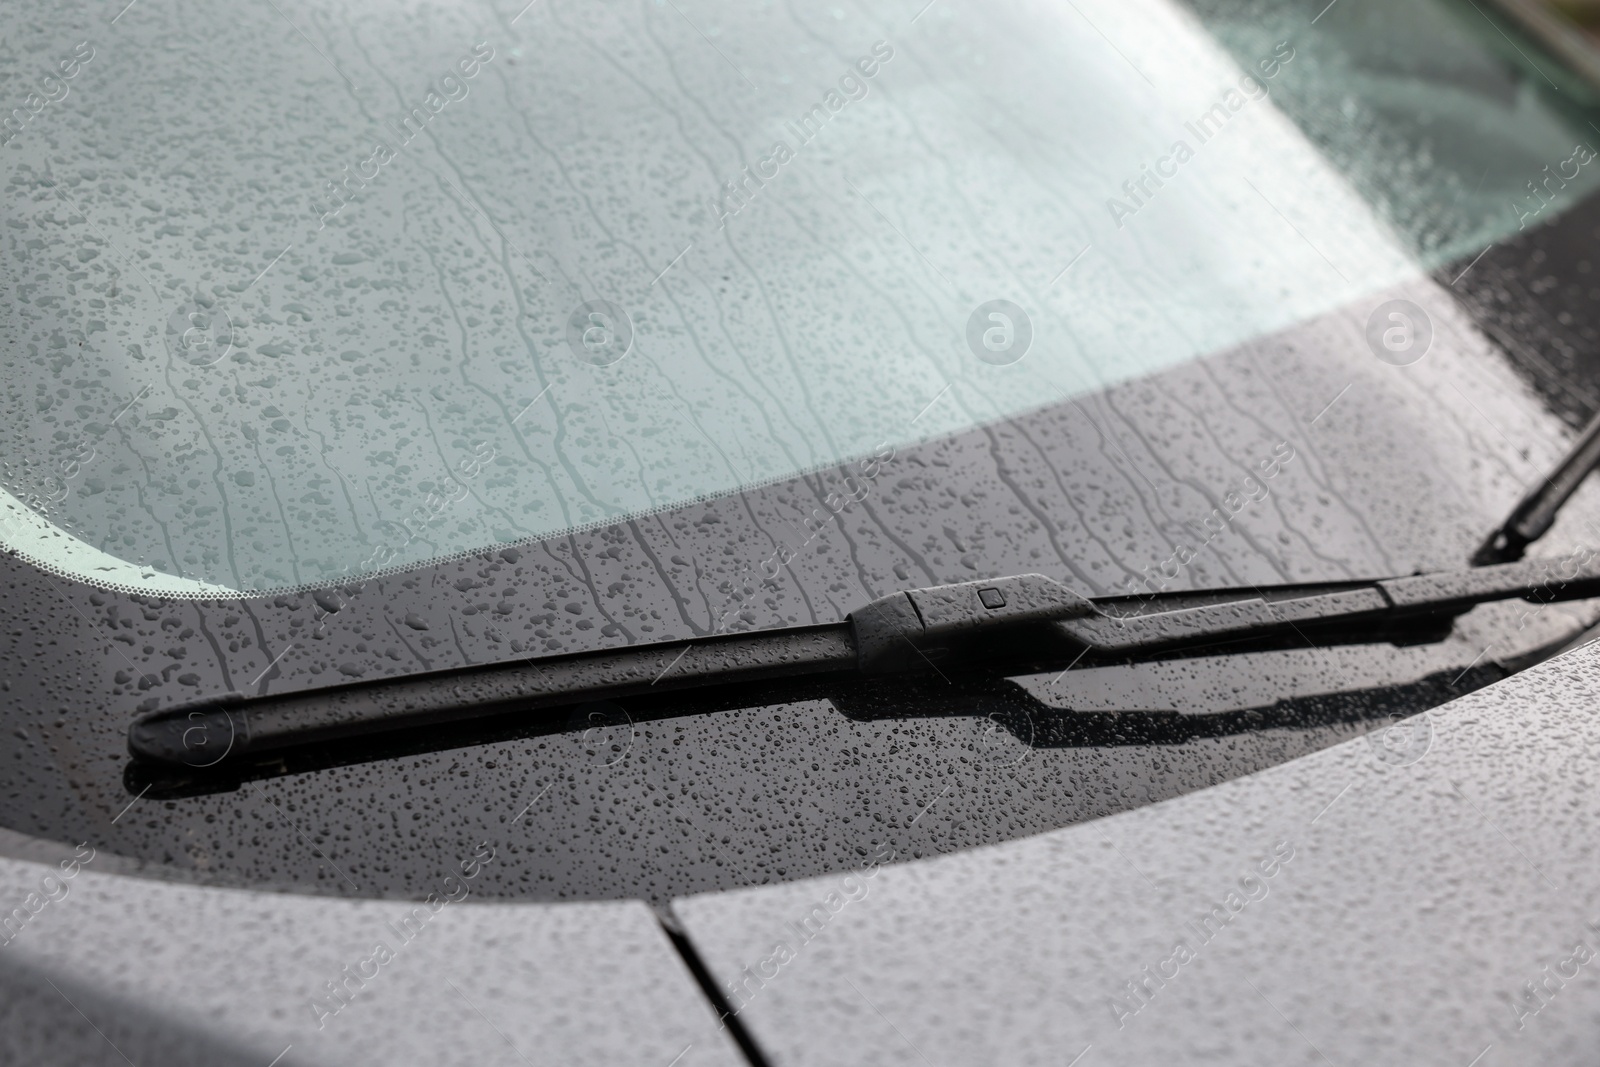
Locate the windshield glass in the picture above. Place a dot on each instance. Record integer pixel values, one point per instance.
(395, 283)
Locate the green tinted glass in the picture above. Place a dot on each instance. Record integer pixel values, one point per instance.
(305, 291)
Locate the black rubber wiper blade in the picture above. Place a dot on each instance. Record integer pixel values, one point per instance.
(236, 727)
(1536, 512)
(971, 624)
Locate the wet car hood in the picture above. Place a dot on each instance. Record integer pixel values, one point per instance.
(1431, 901)
(1420, 899)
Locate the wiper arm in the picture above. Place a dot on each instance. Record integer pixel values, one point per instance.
(977, 624)
(1536, 512)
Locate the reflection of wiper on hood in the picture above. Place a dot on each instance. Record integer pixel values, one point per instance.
(978, 625)
(1536, 512)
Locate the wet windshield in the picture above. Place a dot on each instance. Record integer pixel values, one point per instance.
(395, 283)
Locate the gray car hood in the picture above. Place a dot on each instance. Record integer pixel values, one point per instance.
(1423, 895)
(1420, 882)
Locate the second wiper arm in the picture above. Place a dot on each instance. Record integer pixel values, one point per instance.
(972, 621)
(1536, 512)
(891, 633)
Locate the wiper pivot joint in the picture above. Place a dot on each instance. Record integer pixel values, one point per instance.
(891, 632)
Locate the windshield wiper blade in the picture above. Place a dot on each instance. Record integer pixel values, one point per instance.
(1534, 514)
(975, 625)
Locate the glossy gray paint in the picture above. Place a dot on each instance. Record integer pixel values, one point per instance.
(1420, 898)
(1421, 895)
(165, 973)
